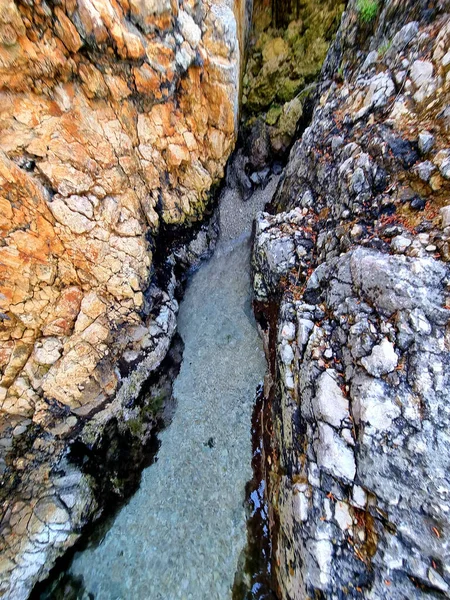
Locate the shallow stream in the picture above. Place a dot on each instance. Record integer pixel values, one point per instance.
(181, 534)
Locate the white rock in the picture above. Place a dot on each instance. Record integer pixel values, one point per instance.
(322, 551)
(400, 243)
(419, 321)
(342, 515)
(421, 72)
(372, 406)
(47, 350)
(348, 436)
(333, 454)
(426, 141)
(288, 331)
(81, 205)
(305, 326)
(189, 29)
(329, 403)
(446, 59)
(382, 359)
(313, 474)
(438, 581)
(380, 88)
(286, 353)
(445, 168)
(75, 221)
(445, 215)
(424, 170)
(359, 496)
(300, 505)
(423, 80)
(289, 380)
(327, 509)
(371, 59)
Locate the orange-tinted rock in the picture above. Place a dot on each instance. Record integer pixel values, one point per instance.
(94, 153)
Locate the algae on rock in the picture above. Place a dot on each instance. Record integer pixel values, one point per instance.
(286, 54)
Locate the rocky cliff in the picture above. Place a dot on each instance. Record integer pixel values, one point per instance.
(351, 285)
(117, 119)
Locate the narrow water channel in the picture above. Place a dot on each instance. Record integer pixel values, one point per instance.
(180, 535)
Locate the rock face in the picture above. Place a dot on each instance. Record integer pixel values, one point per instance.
(354, 259)
(287, 48)
(117, 119)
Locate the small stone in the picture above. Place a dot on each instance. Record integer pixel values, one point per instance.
(445, 168)
(446, 60)
(431, 248)
(348, 436)
(356, 231)
(445, 215)
(189, 29)
(336, 142)
(19, 430)
(421, 72)
(342, 515)
(424, 238)
(300, 504)
(382, 359)
(426, 142)
(424, 170)
(288, 331)
(372, 405)
(418, 203)
(400, 77)
(371, 59)
(359, 496)
(47, 350)
(400, 243)
(286, 354)
(419, 321)
(305, 326)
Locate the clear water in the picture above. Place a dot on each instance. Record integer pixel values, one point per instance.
(181, 534)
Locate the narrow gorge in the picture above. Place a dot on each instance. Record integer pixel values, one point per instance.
(225, 225)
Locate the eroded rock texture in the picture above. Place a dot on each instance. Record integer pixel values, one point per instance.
(117, 118)
(114, 116)
(285, 58)
(355, 258)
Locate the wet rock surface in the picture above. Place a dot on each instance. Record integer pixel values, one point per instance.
(354, 257)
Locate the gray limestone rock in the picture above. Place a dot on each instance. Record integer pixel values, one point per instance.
(382, 359)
